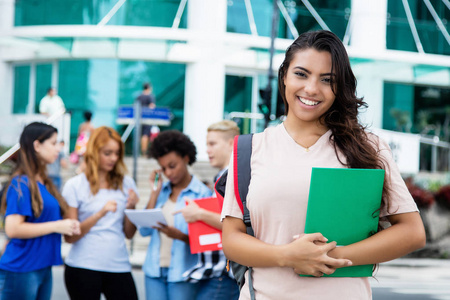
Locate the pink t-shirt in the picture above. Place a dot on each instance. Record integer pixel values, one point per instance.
(277, 200)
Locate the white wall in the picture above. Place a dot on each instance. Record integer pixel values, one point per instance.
(6, 74)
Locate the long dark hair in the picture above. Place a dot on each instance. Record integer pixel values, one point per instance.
(30, 165)
(347, 134)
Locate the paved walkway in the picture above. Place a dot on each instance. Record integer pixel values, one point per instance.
(401, 279)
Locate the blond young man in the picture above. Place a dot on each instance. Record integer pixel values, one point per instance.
(214, 280)
(219, 144)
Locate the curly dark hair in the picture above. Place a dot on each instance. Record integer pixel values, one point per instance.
(348, 134)
(173, 140)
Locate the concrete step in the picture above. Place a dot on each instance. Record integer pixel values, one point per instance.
(201, 169)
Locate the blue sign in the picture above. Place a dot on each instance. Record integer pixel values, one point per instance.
(150, 116)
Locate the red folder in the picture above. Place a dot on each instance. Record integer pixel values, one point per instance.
(203, 237)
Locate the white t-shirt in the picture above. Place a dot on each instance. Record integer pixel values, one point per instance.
(277, 200)
(103, 248)
(51, 105)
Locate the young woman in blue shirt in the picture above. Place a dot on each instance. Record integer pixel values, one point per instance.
(34, 211)
(169, 254)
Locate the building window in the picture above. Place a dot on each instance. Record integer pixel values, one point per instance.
(21, 89)
(398, 31)
(420, 109)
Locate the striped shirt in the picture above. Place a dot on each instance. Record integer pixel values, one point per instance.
(210, 264)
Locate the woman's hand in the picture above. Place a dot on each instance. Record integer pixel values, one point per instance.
(156, 185)
(156, 180)
(132, 199)
(303, 255)
(172, 232)
(110, 206)
(191, 212)
(68, 227)
(308, 255)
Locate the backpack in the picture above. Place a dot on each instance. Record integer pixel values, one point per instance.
(242, 153)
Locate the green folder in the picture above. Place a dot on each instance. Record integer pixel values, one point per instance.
(344, 206)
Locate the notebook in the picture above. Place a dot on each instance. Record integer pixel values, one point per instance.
(146, 217)
(203, 237)
(344, 206)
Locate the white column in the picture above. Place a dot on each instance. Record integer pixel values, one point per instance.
(371, 87)
(369, 30)
(32, 89)
(369, 36)
(205, 78)
(55, 74)
(6, 70)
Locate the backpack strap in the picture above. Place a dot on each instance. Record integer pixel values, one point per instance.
(242, 153)
(242, 174)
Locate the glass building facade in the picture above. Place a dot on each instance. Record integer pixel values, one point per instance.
(398, 32)
(93, 73)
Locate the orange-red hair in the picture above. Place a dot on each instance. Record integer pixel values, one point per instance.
(99, 138)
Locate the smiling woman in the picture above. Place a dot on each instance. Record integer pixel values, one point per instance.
(321, 130)
(309, 93)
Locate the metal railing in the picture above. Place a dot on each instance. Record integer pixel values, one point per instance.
(16, 147)
(435, 144)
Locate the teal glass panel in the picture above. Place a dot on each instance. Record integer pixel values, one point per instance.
(103, 91)
(417, 109)
(159, 13)
(53, 12)
(433, 41)
(77, 12)
(43, 82)
(399, 37)
(73, 89)
(168, 81)
(238, 98)
(21, 89)
(398, 107)
(335, 14)
(237, 19)
(419, 10)
(65, 43)
(398, 31)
